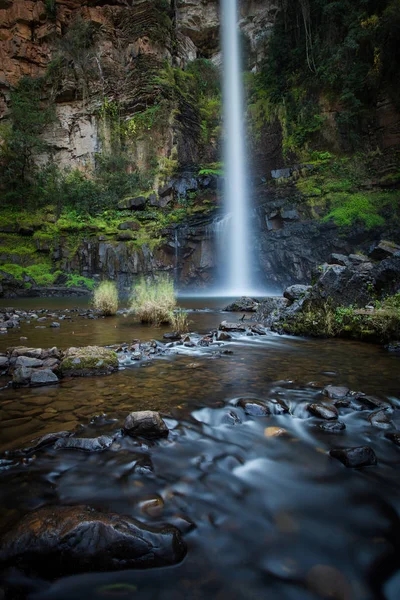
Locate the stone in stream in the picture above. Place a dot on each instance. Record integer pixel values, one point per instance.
(55, 324)
(381, 419)
(323, 411)
(243, 305)
(41, 442)
(88, 361)
(22, 376)
(145, 423)
(85, 444)
(4, 362)
(222, 336)
(335, 392)
(253, 408)
(393, 437)
(43, 377)
(332, 426)
(172, 336)
(26, 361)
(362, 456)
(258, 329)
(62, 540)
(225, 326)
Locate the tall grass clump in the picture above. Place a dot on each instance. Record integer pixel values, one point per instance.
(154, 301)
(180, 321)
(105, 298)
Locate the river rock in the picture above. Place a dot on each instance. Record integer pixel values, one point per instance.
(253, 408)
(3, 362)
(62, 540)
(393, 437)
(55, 324)
(258, 329)
(43, 377)
(244, 304)
(85, 444)
(41, 442)
(26, 361)
(380, 419)
(88, 361)
(362, 456)
(225, 326)
(22, 376)
(295, 292)
(323, 411)
(145, 423)
(223, 336)
(335, 392)
(332, 426)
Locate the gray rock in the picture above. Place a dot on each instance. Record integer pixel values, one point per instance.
(41, 442)
(322, 411)
(55, 324)
(384, 250)
(43, 377)
(4, 362)
(225, 326)
(79, 539)
(342, 286)
(146, 423)
(244, 304)
(362, 456)
(137, 203)
(26, 361)
(332, 426)
(334, 392)
(339, 259)
(295, 292)
(129, 226)
(253, 408)
(85, 444)
(222, 336)
(393, 437)
(22, 376)
(380, 419)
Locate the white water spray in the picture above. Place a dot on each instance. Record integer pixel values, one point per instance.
(236, 249)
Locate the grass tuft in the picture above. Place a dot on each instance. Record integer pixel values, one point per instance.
(105, 298)
(154, 302)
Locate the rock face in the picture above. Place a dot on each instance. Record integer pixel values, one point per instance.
(56, 541)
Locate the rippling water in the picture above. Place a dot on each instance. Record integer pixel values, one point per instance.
(263, 517)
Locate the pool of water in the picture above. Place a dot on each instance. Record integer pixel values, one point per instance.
(272, 517)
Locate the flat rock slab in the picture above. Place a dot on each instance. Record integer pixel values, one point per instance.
(89, 361)
(362, 456)
(334, 392)
(85, 444)
(43, 377)
(225, 326)
(55, 541)
(323, 411)
(145, 423)
(41, 442)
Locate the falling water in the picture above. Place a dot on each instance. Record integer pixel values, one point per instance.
(236, 248)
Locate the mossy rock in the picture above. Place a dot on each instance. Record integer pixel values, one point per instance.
(89, 361)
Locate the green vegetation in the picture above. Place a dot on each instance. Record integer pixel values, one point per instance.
(379, 325)
(179, 321)
(154, 302)
(105, 298)
(325, 54)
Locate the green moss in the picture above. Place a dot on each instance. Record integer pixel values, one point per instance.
(75, 280)
(89, 359)
(361, 207)
(41, 273)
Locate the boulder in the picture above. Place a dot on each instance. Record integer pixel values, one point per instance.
(387, 275)
(384, 250)
(244, 304)
(322, 411)
(145, 423)
(332, 426)
(223, 336)
(137, 203)
(43, 377)
(4, 362)
(271, 309)
(22, 376)
(26, 361)
(339, 259)
(85, 444)
(341, 286)
(253, 408)
(63, 540)
(381, 419)
(129, 226)
(88, 361)
(335, 392)
(225, 326)
(295, 292)
(362, 456)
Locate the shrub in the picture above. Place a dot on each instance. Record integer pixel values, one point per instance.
(154, 302)
(105, 298)
(179, 321)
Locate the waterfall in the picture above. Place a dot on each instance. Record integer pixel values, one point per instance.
(236, 249)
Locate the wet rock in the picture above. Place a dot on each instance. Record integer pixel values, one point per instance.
(145, 423)
(88, 361)
(3, 362)
(323, 411)
(334, 392)
(253, 408)
(332, 426)
(384, 250)
(26, 361)
(225, 326)
(230, 418)
(372, 402)
(43, 377)
(327, 582)
(22, 376)
(393, 347)
(275, 432)
(55, 325)
(41, 442)
(295, 292)
(381, 419)
(55, 541)
(270, 310)
(223, 336)
(393, 437)
(339, 259)
(362, 456)
(172, 336)
(244, 304)
(258, 329)
(51, 363)
(85, 444)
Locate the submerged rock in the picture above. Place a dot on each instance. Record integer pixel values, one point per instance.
(43, 377)
(381, 419)
(223, 336)
(145, 423)
(55, 541)
(85, 444)
(393, 437)
(91, 360)
(253, 408)
(41, 442)
(322, 411)
(332, 426)
(362, 456)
